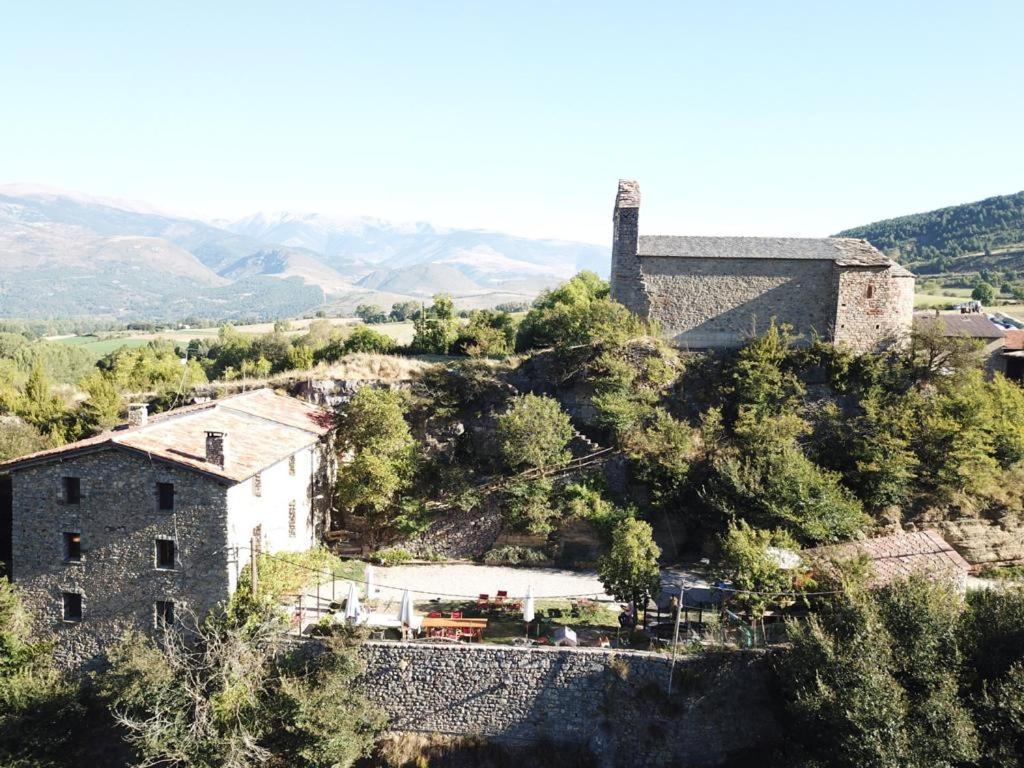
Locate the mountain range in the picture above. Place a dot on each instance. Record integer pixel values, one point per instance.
(66, 254)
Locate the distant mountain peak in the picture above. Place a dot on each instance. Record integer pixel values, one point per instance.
(66, 253)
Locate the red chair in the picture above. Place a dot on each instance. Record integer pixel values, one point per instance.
(483, 600)
(502, 597)
(434, 615)
(456, 614)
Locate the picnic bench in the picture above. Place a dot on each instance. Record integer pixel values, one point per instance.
(471, 629)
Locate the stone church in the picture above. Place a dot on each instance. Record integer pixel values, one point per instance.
(713, 292)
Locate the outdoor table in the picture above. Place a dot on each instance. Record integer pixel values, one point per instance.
(474, 627)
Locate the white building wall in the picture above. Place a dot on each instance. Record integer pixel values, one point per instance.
(270, 510)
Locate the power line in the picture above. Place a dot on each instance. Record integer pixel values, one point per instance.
(543, 597)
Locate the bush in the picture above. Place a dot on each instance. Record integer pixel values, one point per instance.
(393, 556)
(515, 555)
(534, 433)
(232, 695)
(577, 312)
(528, 506)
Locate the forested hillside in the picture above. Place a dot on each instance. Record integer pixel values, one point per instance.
(938, 237)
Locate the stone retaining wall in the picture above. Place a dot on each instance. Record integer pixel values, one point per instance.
(614, 703)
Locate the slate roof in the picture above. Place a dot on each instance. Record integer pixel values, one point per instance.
(262, 429)
(844, 251)
(899, 555)
(973, 325)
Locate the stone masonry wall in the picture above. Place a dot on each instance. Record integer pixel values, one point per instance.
(708, 303)
(874, 308)
(627, 283)
(119, 520)
(614, 703)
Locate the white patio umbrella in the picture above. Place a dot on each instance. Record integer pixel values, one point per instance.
(528, 609)
(405, 612)
(352, 609)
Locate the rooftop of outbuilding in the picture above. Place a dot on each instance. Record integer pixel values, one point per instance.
(898, 555)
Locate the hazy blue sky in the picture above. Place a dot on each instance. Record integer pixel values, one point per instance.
(785, 117)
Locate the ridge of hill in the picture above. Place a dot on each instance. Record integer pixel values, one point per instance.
(987, 234)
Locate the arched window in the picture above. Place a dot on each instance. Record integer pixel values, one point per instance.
(871, 290)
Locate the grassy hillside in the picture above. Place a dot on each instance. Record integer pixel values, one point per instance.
(988, 234)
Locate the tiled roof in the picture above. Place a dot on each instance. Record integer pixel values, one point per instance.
(262, 429)
(844, 251)
(898, 556)
(1013, 340)
(973, 325)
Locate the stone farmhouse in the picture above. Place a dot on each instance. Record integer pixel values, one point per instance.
(141, 525)
(714, 292)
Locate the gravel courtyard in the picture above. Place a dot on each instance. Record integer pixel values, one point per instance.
(468, 581)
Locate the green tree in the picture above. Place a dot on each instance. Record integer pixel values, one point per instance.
(528, 506)
(377, 457)
(578, 312)
(487, 334)
(768, 481)
(371, 314)
(751, 561)
(872, 681)
(42, 710)
(404, 310)
(534, 433)
(985, 293)
(762, 379)
(363, 339)
(436, 330)
(105, 405)
(630, 569)
(300, 358)
(18, 438)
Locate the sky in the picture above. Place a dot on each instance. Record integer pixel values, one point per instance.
(760, 118)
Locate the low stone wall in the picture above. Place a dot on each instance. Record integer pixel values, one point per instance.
(614, 703)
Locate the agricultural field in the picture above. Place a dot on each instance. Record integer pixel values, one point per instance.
(99, 345)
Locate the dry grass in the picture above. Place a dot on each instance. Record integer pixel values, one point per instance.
(413, 750)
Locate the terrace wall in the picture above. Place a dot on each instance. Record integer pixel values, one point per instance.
(614, 703)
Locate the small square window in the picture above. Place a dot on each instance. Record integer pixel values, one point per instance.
(164, 613)
(165, 554)
(72, 490)
(291, 519)
(72, 547)
(72, 606)
(165, 495)
(257, 484)
(291, 465)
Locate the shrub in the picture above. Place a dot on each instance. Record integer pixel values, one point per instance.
(630, 569)
(534, 433)
(515, 555)
(577, 312)
(232, 695)
(528, 506)
(393, 556)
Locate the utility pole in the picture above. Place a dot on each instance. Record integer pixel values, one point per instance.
(255, 571)
(675, 636)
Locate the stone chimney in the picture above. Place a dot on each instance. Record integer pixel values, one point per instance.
(217, 448)
(627, 279)
(138, 415)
